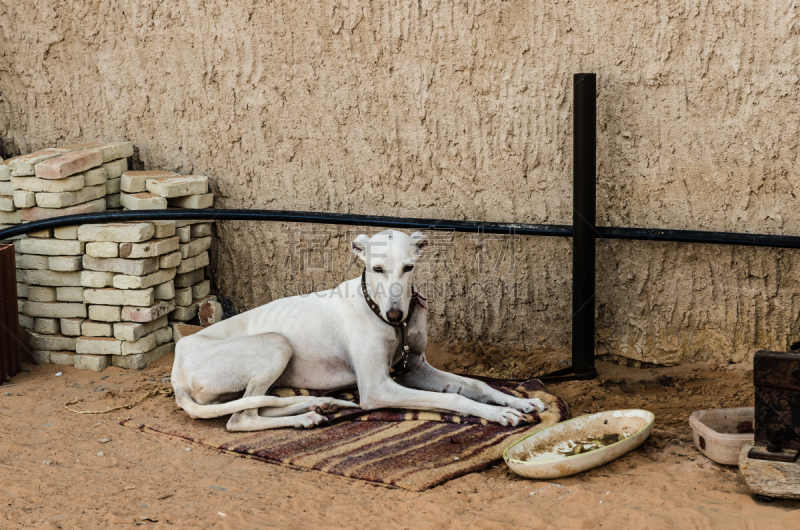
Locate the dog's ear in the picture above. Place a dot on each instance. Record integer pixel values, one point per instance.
(359, 247)
(420, 241)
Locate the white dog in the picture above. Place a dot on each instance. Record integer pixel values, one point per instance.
(352, 334)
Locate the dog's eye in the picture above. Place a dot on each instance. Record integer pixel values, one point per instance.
(408, 268)
(378, 269)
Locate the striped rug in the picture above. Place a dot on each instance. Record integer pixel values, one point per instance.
(406, 449)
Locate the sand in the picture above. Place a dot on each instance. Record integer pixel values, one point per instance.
(53, 475)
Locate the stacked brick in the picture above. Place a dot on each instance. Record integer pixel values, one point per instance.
(100, 295)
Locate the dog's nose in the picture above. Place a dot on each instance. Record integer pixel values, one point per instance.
(394, 315)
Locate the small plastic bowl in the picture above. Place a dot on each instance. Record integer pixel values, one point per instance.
(528, 458)
(716, 433)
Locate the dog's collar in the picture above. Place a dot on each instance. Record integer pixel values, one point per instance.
(402, 365)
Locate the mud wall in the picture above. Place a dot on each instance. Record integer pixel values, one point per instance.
(460, 110)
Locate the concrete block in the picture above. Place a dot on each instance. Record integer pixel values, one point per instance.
(46, 326)
(40, 357)
(112, 186)
(133, 331)
(164, 229)
(90, 328)
(180, 330)
(56, 342)
(183, 297)
(67, 164)
(141, 298)
(53, 278)
(70, 198)
(97, 363)
(148, 249)
(142, 201)
(201, 230)
(169, 261)
(37, 213)
(163, 291)
(122, 281)
(195, 247)
(24, 165)
(180, 186)
(201, 289)
(136, 181)
(24, 199)
(116, 168)
(114, 150)
(118, 232)
(41, 294)
(141, 360)
(62, 358)
(95, 177)
(192, 201)
(147, 314)
(103, 249)
(184, 233)
(98, 345)
(188, 279)
(130, 267)
(73, 183)
(193, 263)
(64, 263)
(69, 294)
(97, 279)
(49, 247)
(209, 313)
(71, 327)
(32, 261)
(66, 232)
(105, 313)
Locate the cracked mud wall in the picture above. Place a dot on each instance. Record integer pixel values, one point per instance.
(455, 110)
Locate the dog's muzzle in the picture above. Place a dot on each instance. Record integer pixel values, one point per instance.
(394, 315)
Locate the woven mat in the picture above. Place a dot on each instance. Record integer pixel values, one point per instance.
(406, 449)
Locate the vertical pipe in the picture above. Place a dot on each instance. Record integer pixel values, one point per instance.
(584, 191)
(9, 319)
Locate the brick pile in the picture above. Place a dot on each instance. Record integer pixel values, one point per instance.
(99, 295)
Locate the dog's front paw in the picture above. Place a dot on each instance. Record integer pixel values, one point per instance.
(529, 405)
(504, 416)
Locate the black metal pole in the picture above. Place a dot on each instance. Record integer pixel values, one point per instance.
(584, 192)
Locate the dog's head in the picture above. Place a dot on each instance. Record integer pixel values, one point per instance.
(390, 258)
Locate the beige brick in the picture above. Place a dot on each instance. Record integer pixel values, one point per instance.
(46, 326)
(7, 204)
(112, 186)
(11, 218)
(143, 345)
(184, 233)
(54, 310)
(24, 199)
(163, 291)
(184, 313)
(5, 171)
(122, 281)
(53, 278)
(201, 230)
(193, 263)
(147, 314)
(136, 181)
(66, 232)
(103, 249)
(192, 201)
(75, 147)
(130, 267)
(41, 294)
(183, 297)
(40, 357)
(142, 201)
(25, 322)
(118, 232)
(64, 263)
(113, 201)
(32, 261)
(97, 279)
(22, 290)
(20, 306)
(195, 247)
(56, 342)
(141, 298)
(24, 165)
(163, 335)
(116, 168)
(132, 331)
(71, 327)
(209, 313)
(62, 358)
(188, 279)
(67, 164)
(98, 345)
(114, 150)
(180, 186)
(90, 328)
(38, 214)
(180, 330)
(142, 360)
(188, 222)
(148, 249)
(105, 313)
(50, 247)
(21, 276)
(96, 363)
(73, 183)
(69, 294)
(47, 232)
(164, 229)
(169, 261)
(201, 289)
(6, 188)
(95, 177)
(70, 198)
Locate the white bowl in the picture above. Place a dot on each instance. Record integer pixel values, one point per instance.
(537, 457)
(716, 436)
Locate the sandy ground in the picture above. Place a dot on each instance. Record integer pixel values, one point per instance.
(54, 475)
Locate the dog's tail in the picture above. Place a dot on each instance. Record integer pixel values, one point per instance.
(196, 410)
